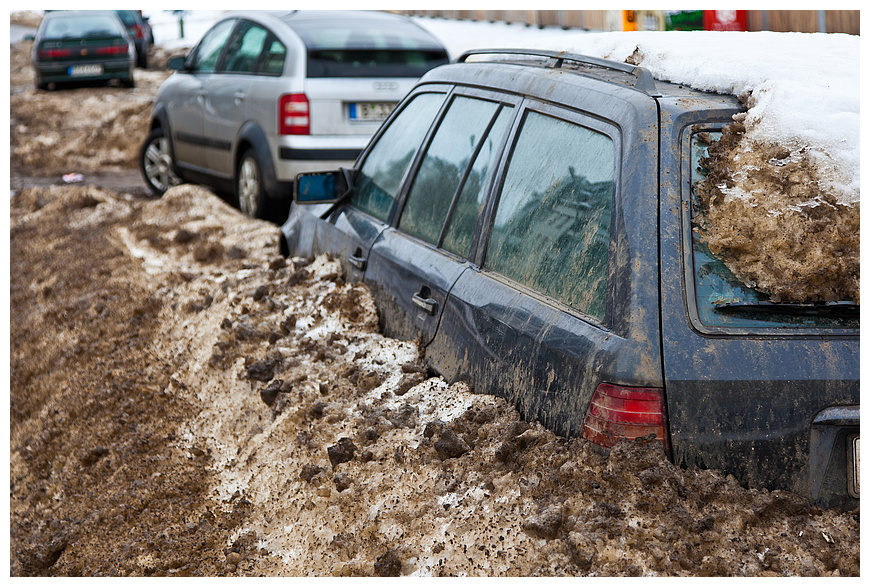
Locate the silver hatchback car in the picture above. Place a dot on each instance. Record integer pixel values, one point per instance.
(264, 96)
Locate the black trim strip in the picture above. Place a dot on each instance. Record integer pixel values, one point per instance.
(290, 154)
(204, 141)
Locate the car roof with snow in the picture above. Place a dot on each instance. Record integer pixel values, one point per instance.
(509, 69)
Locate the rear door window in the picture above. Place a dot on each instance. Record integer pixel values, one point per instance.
(462, 219)
(461, 134)
(273, 59)
(551, 230)
(385, 165)
(245, 48)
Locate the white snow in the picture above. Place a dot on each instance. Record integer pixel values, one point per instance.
(804, 87)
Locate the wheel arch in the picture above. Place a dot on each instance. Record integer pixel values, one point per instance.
(252, 137)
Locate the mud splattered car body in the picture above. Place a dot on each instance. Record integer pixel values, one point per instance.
(529, 217)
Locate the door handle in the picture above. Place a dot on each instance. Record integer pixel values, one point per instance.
(424, 302)
(238, 97)
(358, 261)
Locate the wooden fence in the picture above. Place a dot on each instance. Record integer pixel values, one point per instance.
(804, 21)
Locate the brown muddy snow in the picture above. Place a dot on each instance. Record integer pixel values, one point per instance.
(186, 402)
(765, 211)
(78, 129)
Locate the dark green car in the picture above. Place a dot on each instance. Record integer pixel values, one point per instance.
(78, 46)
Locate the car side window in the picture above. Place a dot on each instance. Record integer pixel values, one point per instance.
(209, 49)
(272, 62)
(244, 48)
(444, 165)
(552, 226)
(462, 221)
(380, 175)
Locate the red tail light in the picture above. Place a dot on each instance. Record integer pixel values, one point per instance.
(114, 50)
(625, 412)
(293, 115)
(138, 31)
(54, 53)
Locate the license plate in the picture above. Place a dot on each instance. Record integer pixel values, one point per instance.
(76, 70)
(853, 472)
(368, 111)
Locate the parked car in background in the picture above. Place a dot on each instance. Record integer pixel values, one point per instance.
(266, 95)
(527, 216)
(140, 32)
(77, 46)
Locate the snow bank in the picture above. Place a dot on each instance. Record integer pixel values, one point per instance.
(803, 89)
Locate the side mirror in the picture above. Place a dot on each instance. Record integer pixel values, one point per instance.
(323, 187)
(176, 63)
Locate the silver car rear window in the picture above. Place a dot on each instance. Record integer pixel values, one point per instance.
(367, 47)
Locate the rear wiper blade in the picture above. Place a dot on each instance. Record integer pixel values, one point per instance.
(835, 309)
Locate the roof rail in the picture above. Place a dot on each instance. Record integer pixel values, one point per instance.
(643, 78)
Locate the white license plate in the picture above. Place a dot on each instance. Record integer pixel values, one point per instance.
(368, 111)
(86, 70)
(854, 475)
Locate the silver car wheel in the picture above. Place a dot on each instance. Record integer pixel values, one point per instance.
(157, 162)
(249, 187)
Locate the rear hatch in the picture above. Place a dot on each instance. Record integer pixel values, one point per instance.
(766, 391)
(360, 66)
(96, 36)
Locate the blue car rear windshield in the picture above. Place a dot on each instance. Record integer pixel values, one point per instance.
(723, 301)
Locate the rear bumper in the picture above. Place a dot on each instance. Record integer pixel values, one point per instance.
(55, 72)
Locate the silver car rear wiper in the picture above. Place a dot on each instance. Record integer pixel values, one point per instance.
(834, 309)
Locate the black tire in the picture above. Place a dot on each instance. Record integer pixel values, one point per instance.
(142, 59)
(156, 163)
(251, 197)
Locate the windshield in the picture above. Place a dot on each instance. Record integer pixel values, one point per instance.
(722, 300)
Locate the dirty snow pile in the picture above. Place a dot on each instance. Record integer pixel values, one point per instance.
(783, 212)
(187, 402)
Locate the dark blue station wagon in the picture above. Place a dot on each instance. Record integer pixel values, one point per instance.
(528, 216)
